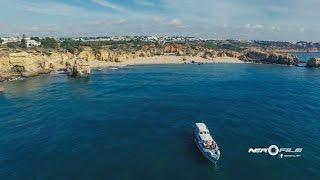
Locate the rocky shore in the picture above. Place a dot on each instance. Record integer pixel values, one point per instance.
(270, 58)
(16, 64)
(314, 62)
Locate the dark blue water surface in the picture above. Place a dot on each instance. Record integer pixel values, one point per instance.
(137, 123)
(305, 56)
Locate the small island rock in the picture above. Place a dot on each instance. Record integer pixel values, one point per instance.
(314, 62)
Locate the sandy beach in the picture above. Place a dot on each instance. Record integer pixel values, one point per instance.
(163, 60)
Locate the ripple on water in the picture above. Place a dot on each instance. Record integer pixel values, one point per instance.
(138, 122)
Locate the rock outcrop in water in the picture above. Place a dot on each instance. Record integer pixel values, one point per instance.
(269, 58)
(314, 62)
(80, 69)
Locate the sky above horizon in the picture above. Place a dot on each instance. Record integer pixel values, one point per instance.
(284, 20)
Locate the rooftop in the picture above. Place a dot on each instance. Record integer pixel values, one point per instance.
(201, 127)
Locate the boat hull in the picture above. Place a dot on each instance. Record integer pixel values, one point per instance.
(211, 159)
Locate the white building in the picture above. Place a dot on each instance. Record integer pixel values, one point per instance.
(117, 38)
(32, 43)
(29, 42)
(152, 38)
(10, 39)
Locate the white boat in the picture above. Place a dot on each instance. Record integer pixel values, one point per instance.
(208, 147)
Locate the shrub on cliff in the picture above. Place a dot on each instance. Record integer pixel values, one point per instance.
(23, 43)
(36, 39)
(231, 47)
(13, 45)
(71, 46)
(49, 43)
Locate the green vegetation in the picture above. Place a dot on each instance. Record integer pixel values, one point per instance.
(48, 43)
(1, 41)
(23, 43)
(231, 47)
(13, 45)
(71, 46)
(210, 45)
(36, 39)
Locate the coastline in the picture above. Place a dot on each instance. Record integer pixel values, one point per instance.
(153, 60)
(165, 59)
(25, 64)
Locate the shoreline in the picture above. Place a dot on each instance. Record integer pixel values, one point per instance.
(158, 60)
(154, 60)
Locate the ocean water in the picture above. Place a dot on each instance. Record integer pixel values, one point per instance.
(304, 56)
(137, 123)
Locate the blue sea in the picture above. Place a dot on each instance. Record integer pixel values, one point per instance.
(305, 56)
(137, 122)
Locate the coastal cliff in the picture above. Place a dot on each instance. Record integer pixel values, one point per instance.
(269, 58)
(24, 63)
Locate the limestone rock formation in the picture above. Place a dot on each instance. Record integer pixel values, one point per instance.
(20, 64)
(170, 48)
(87, 53)
(269, 58)
(174, 48)
(233, 54)
(80, 69)
(314, 62)
(205, 55)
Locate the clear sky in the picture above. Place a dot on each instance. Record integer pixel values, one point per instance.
(241, 19)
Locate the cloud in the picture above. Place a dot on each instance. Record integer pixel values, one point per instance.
(246, 19)
(248, 26)
(42, 28)
(2, 24)
(177, 23)
(159, 19)
(144, 3)
(301, 29)
(275, 28)
(101, 22)
(255, 26)
(110, 5)
(57, 9)
(258, 26)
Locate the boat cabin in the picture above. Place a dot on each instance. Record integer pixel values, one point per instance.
(204, 134)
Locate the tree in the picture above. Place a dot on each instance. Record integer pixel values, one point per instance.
(48, 43)
(1, 41)
(71, 45)
(36, 39)
(23, 43)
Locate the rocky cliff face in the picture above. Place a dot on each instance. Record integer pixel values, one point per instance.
(314, 62)
(24, 64)
(20, 64)
(27, 64)
(269, 58)
(176, 49)
(80, 68)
